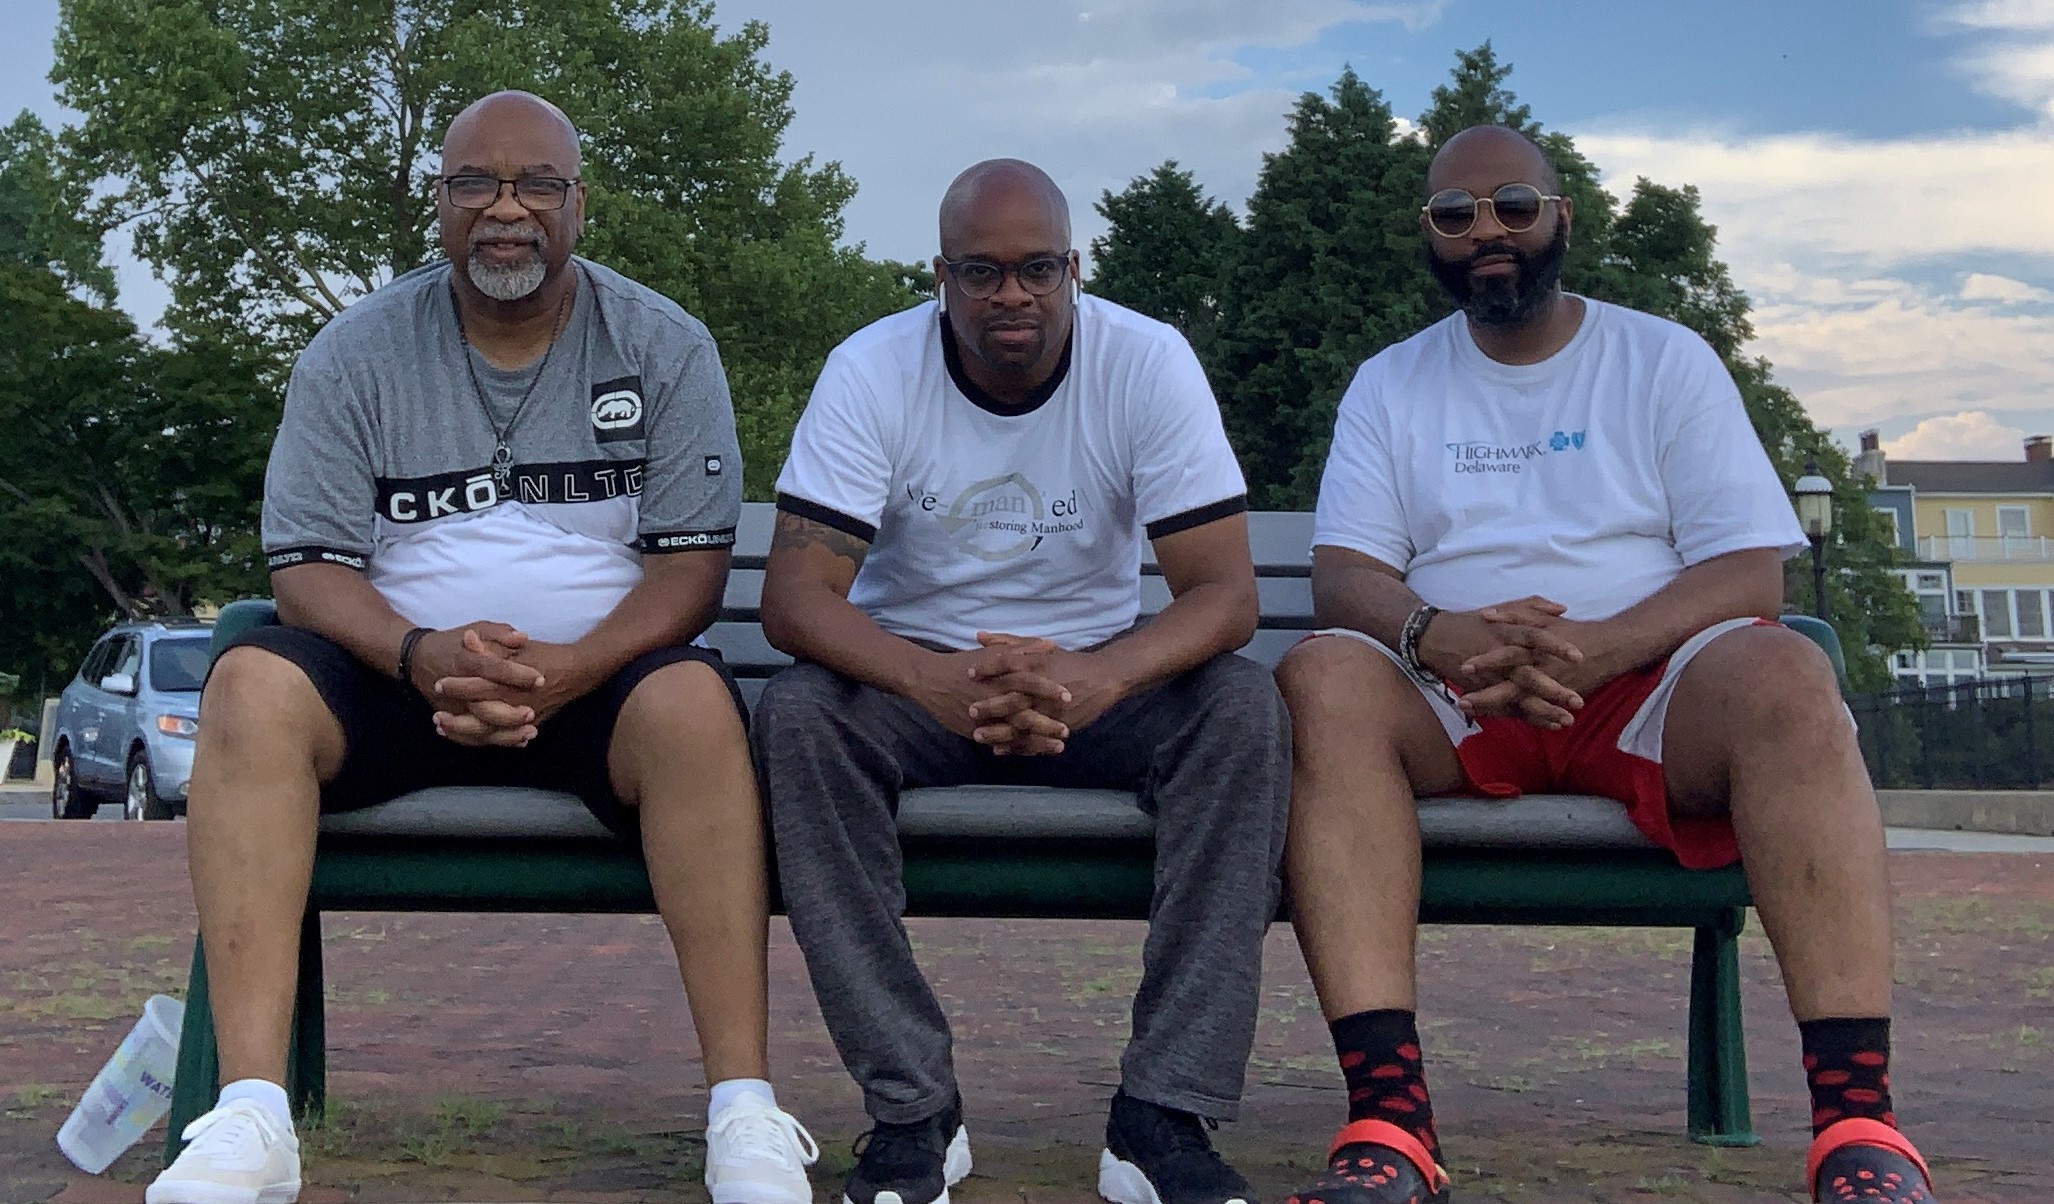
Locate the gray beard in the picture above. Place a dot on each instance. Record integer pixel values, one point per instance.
(509, 283)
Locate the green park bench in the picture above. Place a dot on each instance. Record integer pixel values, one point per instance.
(1014, 852)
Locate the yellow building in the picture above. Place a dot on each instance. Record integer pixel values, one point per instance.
(1981, 536)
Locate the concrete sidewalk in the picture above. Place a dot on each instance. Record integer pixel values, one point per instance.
(548, 1058)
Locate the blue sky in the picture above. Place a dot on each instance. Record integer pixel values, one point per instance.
(1872, 164)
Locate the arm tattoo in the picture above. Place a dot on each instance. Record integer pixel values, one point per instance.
(795, 532)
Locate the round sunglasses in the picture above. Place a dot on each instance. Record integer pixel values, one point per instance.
(1517, 207)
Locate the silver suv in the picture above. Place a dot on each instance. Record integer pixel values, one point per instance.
(125, 724)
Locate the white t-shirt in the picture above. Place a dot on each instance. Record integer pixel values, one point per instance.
(1593, 478)
(1029, 521)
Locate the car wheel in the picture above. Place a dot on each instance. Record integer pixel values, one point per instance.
(67, 801)
(141, 801)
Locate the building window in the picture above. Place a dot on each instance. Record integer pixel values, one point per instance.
(1996, 614)
(2012, 523)
(1961, 535)
(1889, 514)
(2032, 619)
(1964, 602)
(1936, 582)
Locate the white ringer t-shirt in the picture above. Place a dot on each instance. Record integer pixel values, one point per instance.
(1028, 521)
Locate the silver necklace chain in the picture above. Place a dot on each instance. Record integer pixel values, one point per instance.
(502, 454)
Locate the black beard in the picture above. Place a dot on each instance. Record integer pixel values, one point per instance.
(1502, 303)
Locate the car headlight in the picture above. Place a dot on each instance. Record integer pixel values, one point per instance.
(178, 725)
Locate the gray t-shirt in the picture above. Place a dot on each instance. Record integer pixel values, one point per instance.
(384, 459)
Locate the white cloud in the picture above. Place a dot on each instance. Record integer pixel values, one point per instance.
(1969, 435)
(1886, 286)
(1982, 286)
(1097, 91)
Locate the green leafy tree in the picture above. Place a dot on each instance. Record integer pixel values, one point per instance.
(130, 474)
(1329, 272)
(1166, 252)
(42, 222)
(276, 159)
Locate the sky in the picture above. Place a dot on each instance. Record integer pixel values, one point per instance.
(1873, 166)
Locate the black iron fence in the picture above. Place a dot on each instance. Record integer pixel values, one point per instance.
(1994, 734)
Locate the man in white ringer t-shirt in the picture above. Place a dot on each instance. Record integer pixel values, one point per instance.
(1547, 548)
(957, 568)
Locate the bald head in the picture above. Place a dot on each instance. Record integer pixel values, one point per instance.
(1000, 192)
(1499, 148)
(522, 122)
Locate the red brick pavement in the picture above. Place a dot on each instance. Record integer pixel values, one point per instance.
(549, 1058)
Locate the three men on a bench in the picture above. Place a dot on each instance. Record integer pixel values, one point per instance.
(957, 568)
(498, 510)
(1547, 545)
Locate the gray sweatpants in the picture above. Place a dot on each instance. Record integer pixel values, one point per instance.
(1209, 754)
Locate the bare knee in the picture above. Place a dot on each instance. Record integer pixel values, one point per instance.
(260, 708)
(685, 702)
(1352, 704)
(254, 694)
(1771, 683)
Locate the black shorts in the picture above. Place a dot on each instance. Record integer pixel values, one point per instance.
(391, 746)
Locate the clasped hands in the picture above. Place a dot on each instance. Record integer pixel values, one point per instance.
(492, 686)
(1520, 659)
(1017, 695)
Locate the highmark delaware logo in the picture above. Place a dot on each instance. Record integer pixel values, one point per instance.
(1001, 517)
(1512, 458)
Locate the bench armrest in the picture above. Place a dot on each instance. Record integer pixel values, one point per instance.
(238, 617)
(1821, 633)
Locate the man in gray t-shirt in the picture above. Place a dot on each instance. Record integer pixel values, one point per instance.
(497, 514)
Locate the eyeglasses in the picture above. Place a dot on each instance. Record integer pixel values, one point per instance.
(981, 278)
(538, 194)
(1517, 207)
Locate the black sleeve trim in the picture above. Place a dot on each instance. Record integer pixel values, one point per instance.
(686, 541)
(827, 517)
(286, 558)
(1224, 508)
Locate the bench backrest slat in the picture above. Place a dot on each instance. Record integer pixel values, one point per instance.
(1279, 540)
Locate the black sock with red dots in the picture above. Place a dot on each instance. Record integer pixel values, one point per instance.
(1847, 1066)
(1380, 1060)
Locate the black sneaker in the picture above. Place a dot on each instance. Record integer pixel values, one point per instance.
(1156, 1155)
(911, 1164)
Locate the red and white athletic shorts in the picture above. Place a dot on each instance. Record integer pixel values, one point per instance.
(1613, 750)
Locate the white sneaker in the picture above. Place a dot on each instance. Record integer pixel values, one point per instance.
(756, 1153)
(237, 1154)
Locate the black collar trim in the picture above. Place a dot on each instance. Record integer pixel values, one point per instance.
(1037, 397)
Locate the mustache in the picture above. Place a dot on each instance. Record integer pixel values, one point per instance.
(508, 232)
(1496, 249)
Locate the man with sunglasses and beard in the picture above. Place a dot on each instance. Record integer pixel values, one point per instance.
(1547, 550)
(957, 568)
(498, 511)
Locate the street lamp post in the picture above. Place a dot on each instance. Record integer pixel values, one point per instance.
(1815, 515)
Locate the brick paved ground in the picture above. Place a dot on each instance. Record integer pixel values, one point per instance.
(517, 1058)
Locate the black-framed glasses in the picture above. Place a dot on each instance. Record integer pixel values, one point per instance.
(539, 194)
(981, 278)
(1517, 207)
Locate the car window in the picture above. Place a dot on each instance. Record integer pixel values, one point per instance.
(94, 667)
(130, 660)
(179, 665)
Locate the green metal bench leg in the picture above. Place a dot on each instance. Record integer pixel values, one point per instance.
(307, 1064)
(194, 1084)
(1719, 1112)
